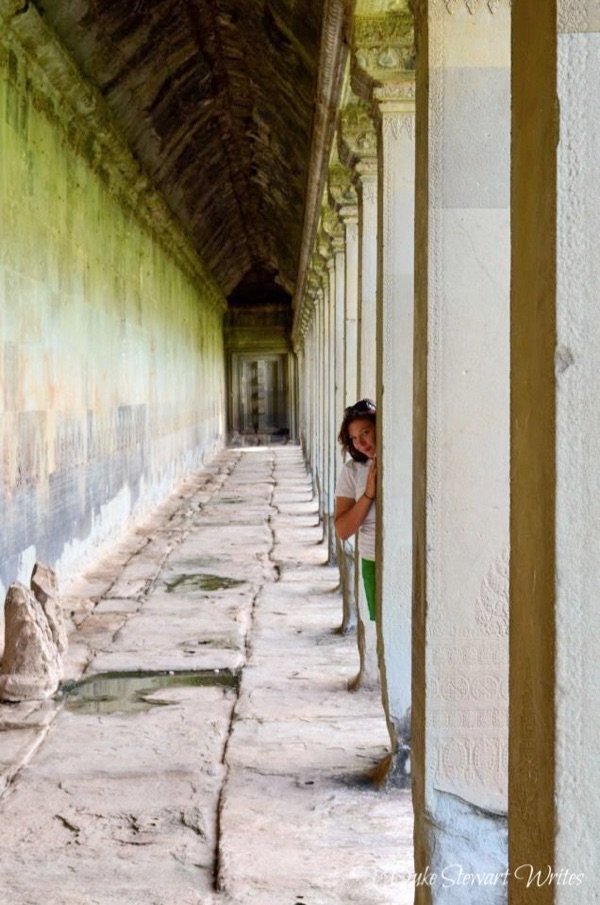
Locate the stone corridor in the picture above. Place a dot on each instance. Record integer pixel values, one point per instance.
(251, 789)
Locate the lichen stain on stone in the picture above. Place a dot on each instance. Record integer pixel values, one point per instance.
(202, 582)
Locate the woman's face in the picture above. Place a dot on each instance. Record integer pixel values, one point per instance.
(362, 433)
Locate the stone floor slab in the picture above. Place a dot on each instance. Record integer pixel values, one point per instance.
(253, 794)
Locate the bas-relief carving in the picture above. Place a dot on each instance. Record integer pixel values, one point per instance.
(396, 125)
(491, 608)
(383, 46)
(468, 693)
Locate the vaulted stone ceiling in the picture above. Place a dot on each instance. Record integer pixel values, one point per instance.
(215, 97)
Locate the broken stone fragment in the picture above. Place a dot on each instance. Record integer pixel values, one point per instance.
(31, 665)
(44, 585)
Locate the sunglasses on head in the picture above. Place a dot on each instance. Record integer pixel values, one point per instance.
(364, 407)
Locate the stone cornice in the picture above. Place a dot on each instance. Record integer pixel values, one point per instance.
(332, 60)
(58, 88)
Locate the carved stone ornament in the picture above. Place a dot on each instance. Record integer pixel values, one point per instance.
(395, 126)
(491, 608)
(401, 90)
(384, 45)
(331, 224)
(341, 190)
(357, 136)
(474, 5)
(316, 269)
(323, 245)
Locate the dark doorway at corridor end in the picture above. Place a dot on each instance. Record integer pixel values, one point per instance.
(260, 363)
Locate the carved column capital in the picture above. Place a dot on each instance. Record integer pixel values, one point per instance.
(394, 105)
(357, 138)
(316, 272)
(332, 226)
(383, 50)
(339, 183)
(342, 194)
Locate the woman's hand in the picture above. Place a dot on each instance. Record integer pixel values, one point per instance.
(371, 486)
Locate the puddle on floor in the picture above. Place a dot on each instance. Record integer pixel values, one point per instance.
(202, 581)
(134, 692)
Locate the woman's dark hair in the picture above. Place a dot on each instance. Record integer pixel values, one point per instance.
(365, 408)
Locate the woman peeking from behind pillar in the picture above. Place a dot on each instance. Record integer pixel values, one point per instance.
(356, 489)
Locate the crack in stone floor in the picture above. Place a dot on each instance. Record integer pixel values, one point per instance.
(252, 794)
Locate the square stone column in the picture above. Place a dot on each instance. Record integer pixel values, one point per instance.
(349, 217)
(554, 815)
(395, 305)
(357, 147)
(332, 426)
(366, 183)
(462, 329)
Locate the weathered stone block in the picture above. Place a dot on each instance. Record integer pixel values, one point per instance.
(44, 585)
(31, 665)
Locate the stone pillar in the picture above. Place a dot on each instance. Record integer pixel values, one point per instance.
(316, 295)
(343, 199)
(301, 375)
(340, 348)
(357, 148)
(395, 305)
(312, 394)
(460, 675)
(332, 426)
(349, 217)
(344, 551)
(383, 54)
(555, 444)
(321, 412)
(366, 179)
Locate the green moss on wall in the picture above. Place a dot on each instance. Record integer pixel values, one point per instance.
(111, 359)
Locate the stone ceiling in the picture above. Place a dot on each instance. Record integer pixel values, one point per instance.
(215, 97)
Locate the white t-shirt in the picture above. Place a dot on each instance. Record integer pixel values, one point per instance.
(351, 483)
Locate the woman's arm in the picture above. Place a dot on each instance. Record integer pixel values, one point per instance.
(350, 514)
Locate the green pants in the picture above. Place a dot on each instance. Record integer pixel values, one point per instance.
(368, 574)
